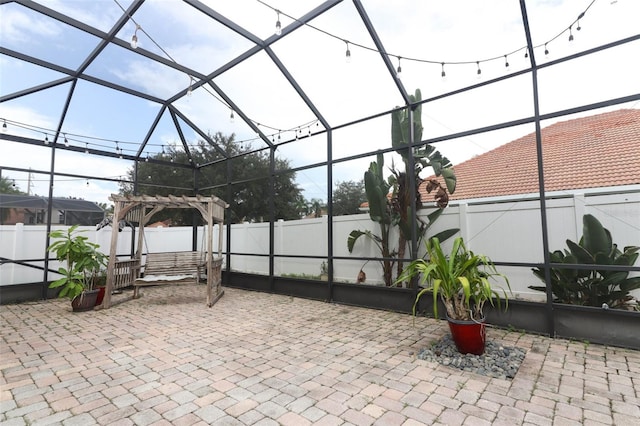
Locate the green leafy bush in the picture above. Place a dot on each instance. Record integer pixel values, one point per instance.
(592, 286)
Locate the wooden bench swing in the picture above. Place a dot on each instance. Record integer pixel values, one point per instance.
(165, 267)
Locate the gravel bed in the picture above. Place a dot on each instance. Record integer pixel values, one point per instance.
(497, 360)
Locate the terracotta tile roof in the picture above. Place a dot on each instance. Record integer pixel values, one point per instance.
(596, 151)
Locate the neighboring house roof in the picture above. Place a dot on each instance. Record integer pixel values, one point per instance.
(597, 151)
(11, 201)
(161, 224)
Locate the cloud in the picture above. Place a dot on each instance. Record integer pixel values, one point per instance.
(20, 27)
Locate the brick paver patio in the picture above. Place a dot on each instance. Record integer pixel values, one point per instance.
(264, 359)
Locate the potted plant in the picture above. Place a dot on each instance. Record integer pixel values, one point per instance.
(83, 263)
(461, 280)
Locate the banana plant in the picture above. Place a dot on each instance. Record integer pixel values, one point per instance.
(592, 286)
(396, 210)
(376, 189)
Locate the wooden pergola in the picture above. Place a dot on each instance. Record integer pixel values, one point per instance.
(140, 209)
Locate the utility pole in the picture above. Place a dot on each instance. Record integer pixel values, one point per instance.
(29, 182)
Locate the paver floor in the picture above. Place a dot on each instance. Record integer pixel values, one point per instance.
(263, 359)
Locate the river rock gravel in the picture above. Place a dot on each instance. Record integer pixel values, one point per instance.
(497, 361)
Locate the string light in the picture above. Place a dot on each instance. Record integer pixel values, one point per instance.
(546, 51)
(526, 48)
(479, 72)
(146, 159)
(66, 141)
(506, 62)
(443, 74)
(190, 89)
(278, 24)
(578, 20)
(46, 139)
(570, 34)
(86, 148)
(347, 53)
(399, 70)
(134, 38)
(232, 118)
(87, 182)
(14, 183)
(4, 126)
(118, 150)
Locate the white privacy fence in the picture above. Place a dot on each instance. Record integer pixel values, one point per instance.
(506, 230)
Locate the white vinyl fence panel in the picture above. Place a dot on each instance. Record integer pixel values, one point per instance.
(506, 230)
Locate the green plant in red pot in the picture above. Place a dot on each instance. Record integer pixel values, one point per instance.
(461, 279)
(82, 265)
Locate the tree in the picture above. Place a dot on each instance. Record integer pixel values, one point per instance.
(108, 208)
(348, 196)
(424, 157)
(396, 209)
(315, 206)
(251, 194)
(7, 186)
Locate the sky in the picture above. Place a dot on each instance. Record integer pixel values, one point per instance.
(463, 34)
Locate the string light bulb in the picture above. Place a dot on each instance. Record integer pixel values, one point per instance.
(578, 21)
(46, 139)
(232, 118)
(146, 159)
(190, 89)
(134, 38)
(4, 126)
(506, 62)
(87, 182)
(399, 70)
(278, 24)
(570, 34)
(546, 51)
(66, 141)
(86, 148)
(443, 74)
(347, 53)
(479, 72)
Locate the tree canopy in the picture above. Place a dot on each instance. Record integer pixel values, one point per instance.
(249, 195)
(348, 196)
(8, 186)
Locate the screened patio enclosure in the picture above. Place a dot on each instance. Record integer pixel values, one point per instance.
(90, 92)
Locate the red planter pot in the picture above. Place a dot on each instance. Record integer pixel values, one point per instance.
(100, 296)
(469, 336)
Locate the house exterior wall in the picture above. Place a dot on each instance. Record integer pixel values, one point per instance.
(507, 229)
